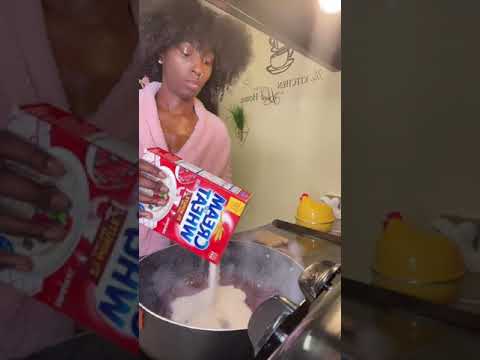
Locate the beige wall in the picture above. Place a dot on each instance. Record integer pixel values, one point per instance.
(292, 147)
(410, 122)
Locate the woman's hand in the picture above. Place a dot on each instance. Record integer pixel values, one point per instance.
(144, 81)
(18, 187)
(152, 189)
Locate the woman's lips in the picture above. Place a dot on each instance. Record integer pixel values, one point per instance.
(192, 84)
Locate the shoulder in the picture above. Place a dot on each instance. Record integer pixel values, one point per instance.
(148, 91)
(146, 101)
(214, 124)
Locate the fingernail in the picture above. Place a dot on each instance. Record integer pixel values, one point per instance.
(162, 189)
(55, 168)
(55, 233)
(157, 177)
(60, 202)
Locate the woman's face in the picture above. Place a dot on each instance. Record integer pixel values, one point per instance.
(186, 70)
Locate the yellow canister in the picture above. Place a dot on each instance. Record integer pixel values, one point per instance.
(315, 215)
(418, 263)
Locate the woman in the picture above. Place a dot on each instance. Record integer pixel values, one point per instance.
(199, 54)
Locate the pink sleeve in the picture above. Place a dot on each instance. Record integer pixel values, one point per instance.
(150, 241)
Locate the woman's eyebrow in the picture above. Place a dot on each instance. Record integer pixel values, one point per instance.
(202, 49)
(207, 52)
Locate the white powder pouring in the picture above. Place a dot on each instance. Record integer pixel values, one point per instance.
(217, 307)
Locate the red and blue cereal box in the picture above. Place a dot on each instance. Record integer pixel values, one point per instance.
(93, 275)
(202, 210)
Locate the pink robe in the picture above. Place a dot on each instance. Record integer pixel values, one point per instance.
(28, 74)
(208, 148)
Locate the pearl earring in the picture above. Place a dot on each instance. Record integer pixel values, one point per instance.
(160, 61)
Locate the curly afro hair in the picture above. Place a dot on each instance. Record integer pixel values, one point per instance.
(169, 22)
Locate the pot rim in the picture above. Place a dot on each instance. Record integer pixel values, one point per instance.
(150, 312)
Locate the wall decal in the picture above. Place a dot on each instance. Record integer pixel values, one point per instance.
(270, 95)
(267, 95)
(300, 80)
(281, 58)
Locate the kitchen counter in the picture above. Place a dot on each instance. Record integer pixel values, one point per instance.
(380, 324)
(303, 249)
(374, 332)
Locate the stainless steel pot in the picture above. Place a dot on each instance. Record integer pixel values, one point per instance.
(260, 271)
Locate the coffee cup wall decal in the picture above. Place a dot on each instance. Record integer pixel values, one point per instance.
(281, 58)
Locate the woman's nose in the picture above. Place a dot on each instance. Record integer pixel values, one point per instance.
(197, 68)
(198, 72)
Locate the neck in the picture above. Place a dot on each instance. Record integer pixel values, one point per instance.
(168, 101)
(91, 12)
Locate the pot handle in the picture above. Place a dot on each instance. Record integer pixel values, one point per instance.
(317, 278)
(264, 325)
